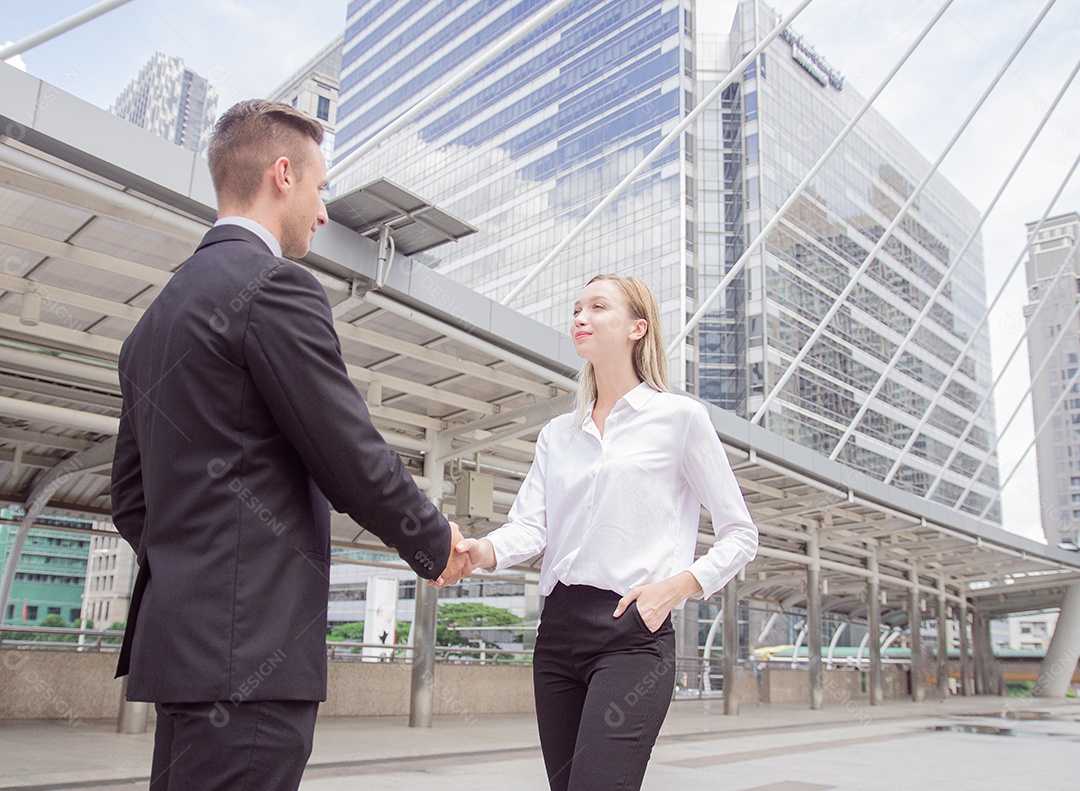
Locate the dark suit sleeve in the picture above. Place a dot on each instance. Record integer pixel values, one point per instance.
(294, 357)
(127, 497)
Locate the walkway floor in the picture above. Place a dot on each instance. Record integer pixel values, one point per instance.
(958, 744)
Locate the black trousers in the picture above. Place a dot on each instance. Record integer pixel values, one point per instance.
(603, 686)
(250, 746)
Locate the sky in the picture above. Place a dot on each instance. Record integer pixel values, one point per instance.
(246, 48)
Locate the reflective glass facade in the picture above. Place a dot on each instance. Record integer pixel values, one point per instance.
(754, 148)
(532, 142)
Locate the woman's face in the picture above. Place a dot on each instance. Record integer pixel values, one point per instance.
(603, 328)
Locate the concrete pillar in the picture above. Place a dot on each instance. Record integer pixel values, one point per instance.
(813, 624)
(918, 692)
(983, 654)
(731, 645)
(942, 641)
(133, 714)
(873, 626)
(1058, 667)
(422, 691)
(687, 648)
(533, 607)
(965, 659)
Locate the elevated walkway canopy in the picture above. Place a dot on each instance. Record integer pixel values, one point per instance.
(95, 217)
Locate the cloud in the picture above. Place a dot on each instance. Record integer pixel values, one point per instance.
(15, 60)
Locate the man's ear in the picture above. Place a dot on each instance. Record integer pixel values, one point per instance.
(282, 174)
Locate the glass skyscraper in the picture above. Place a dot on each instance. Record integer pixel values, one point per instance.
(527, 146)
(530, 144)
(754, 147)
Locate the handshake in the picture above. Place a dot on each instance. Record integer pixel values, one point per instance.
(466, 555)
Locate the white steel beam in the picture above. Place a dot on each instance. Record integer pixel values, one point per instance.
(738, 266)
(1043, 300)
(1033, 379)
(1066, 391)
(887, 234)
(81, 255)
(54, 30)
(947, 277)
(975, 333)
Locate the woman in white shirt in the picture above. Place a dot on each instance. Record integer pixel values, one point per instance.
(612, 500)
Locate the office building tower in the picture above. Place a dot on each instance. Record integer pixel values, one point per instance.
(758, 142)
(1053, 340)
(51, 573)
(531, 143)
(110, 576)
(527, 146)
(313, 90)
(171, 101)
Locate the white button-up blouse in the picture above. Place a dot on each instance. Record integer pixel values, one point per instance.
(623, 509)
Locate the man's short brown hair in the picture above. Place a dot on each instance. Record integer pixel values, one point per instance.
(251, 136)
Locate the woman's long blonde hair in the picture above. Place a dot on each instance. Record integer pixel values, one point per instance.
(649, 357)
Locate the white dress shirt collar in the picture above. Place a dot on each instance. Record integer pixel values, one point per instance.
(635, 399)
(256, 228)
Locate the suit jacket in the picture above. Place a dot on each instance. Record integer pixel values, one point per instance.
(239, 422)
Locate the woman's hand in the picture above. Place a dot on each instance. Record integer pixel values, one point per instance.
(481, 552)
(656, 600)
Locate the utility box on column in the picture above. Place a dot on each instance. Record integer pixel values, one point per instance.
(475, 493)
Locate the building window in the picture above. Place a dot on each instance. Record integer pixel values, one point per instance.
(31, 613)
(324, 109)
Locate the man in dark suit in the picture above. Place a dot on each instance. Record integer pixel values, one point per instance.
(239, 422)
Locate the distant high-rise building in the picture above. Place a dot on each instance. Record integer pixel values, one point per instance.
(529, 144)
(51, 573)
(171, 101)
(313, 90)
(1054, 355)
(110, 576)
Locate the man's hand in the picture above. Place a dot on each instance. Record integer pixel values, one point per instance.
(656, 601)
(458, 566)
(481, 552)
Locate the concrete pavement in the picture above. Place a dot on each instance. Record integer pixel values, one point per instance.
(972, 743)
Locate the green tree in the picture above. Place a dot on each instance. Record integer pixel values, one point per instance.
(115, 626)
(55, 621)
(352, 631)
(457, 615)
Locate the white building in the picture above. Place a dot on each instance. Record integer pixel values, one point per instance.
(313, 90)
(1054, 355)
(170, 101)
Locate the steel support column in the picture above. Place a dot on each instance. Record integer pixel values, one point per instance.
(1058, 667)
(918, 691)
(422, 692)
(873, 627)
(983, 658)
(942, 641)
(965, 648)
(813, 623)
(686, 644)
(731, 645)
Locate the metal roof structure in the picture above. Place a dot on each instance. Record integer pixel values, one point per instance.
(96, 215)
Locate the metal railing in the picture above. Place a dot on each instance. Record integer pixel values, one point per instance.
(37, 638)
(349, 651)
